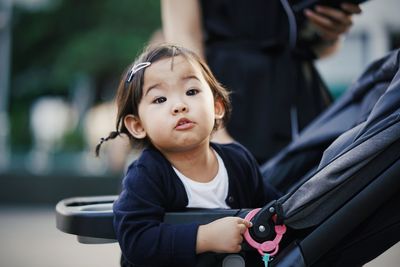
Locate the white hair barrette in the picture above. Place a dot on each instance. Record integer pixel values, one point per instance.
(135, 69)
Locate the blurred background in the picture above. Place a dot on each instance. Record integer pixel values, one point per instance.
(60, 62)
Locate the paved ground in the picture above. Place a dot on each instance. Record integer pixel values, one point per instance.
(28, 237)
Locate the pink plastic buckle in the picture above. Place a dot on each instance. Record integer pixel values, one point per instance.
(272, 246)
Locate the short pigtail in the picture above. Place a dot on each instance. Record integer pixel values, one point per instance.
(112, 135)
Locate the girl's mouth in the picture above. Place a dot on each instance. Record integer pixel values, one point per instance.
(184, 124)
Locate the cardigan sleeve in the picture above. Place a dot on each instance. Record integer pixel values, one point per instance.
(143, 237)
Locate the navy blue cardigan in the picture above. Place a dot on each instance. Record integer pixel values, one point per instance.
(151, 188)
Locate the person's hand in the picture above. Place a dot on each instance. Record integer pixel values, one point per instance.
(330, 22)
(222, 236)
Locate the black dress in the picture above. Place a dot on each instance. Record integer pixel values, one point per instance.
(276, 91)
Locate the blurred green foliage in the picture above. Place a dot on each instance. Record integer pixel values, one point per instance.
(54, 45)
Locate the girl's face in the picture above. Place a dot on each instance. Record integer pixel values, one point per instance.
(177, 111)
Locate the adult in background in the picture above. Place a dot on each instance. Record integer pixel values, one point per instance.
(257, 51)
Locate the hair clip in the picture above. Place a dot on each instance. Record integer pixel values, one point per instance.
(135, 69)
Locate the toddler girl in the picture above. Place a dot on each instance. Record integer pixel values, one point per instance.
(170, 104)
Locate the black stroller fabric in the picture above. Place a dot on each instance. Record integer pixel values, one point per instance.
(360, 127)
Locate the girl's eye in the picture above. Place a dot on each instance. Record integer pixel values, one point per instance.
(192, 92)
(159, 100)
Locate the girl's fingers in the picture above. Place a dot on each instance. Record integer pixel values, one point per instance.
(238, 249)
(246, 223)
(242, 228)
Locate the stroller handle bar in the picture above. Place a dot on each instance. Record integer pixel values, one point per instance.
(91, 218)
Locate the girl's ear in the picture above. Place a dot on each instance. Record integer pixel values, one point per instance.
(219, 109)
(134, 126)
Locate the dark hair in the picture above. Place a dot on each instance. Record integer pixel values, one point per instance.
(130, 89)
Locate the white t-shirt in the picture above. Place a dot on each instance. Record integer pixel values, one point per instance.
(209, 195)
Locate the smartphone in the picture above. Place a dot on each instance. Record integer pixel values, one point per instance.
(299, 6)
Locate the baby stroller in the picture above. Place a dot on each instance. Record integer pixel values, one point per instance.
(339, 178)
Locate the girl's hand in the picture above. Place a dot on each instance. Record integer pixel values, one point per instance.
(330, 22)
(222, 236)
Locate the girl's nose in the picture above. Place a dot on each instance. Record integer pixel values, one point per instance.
(180, 108)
